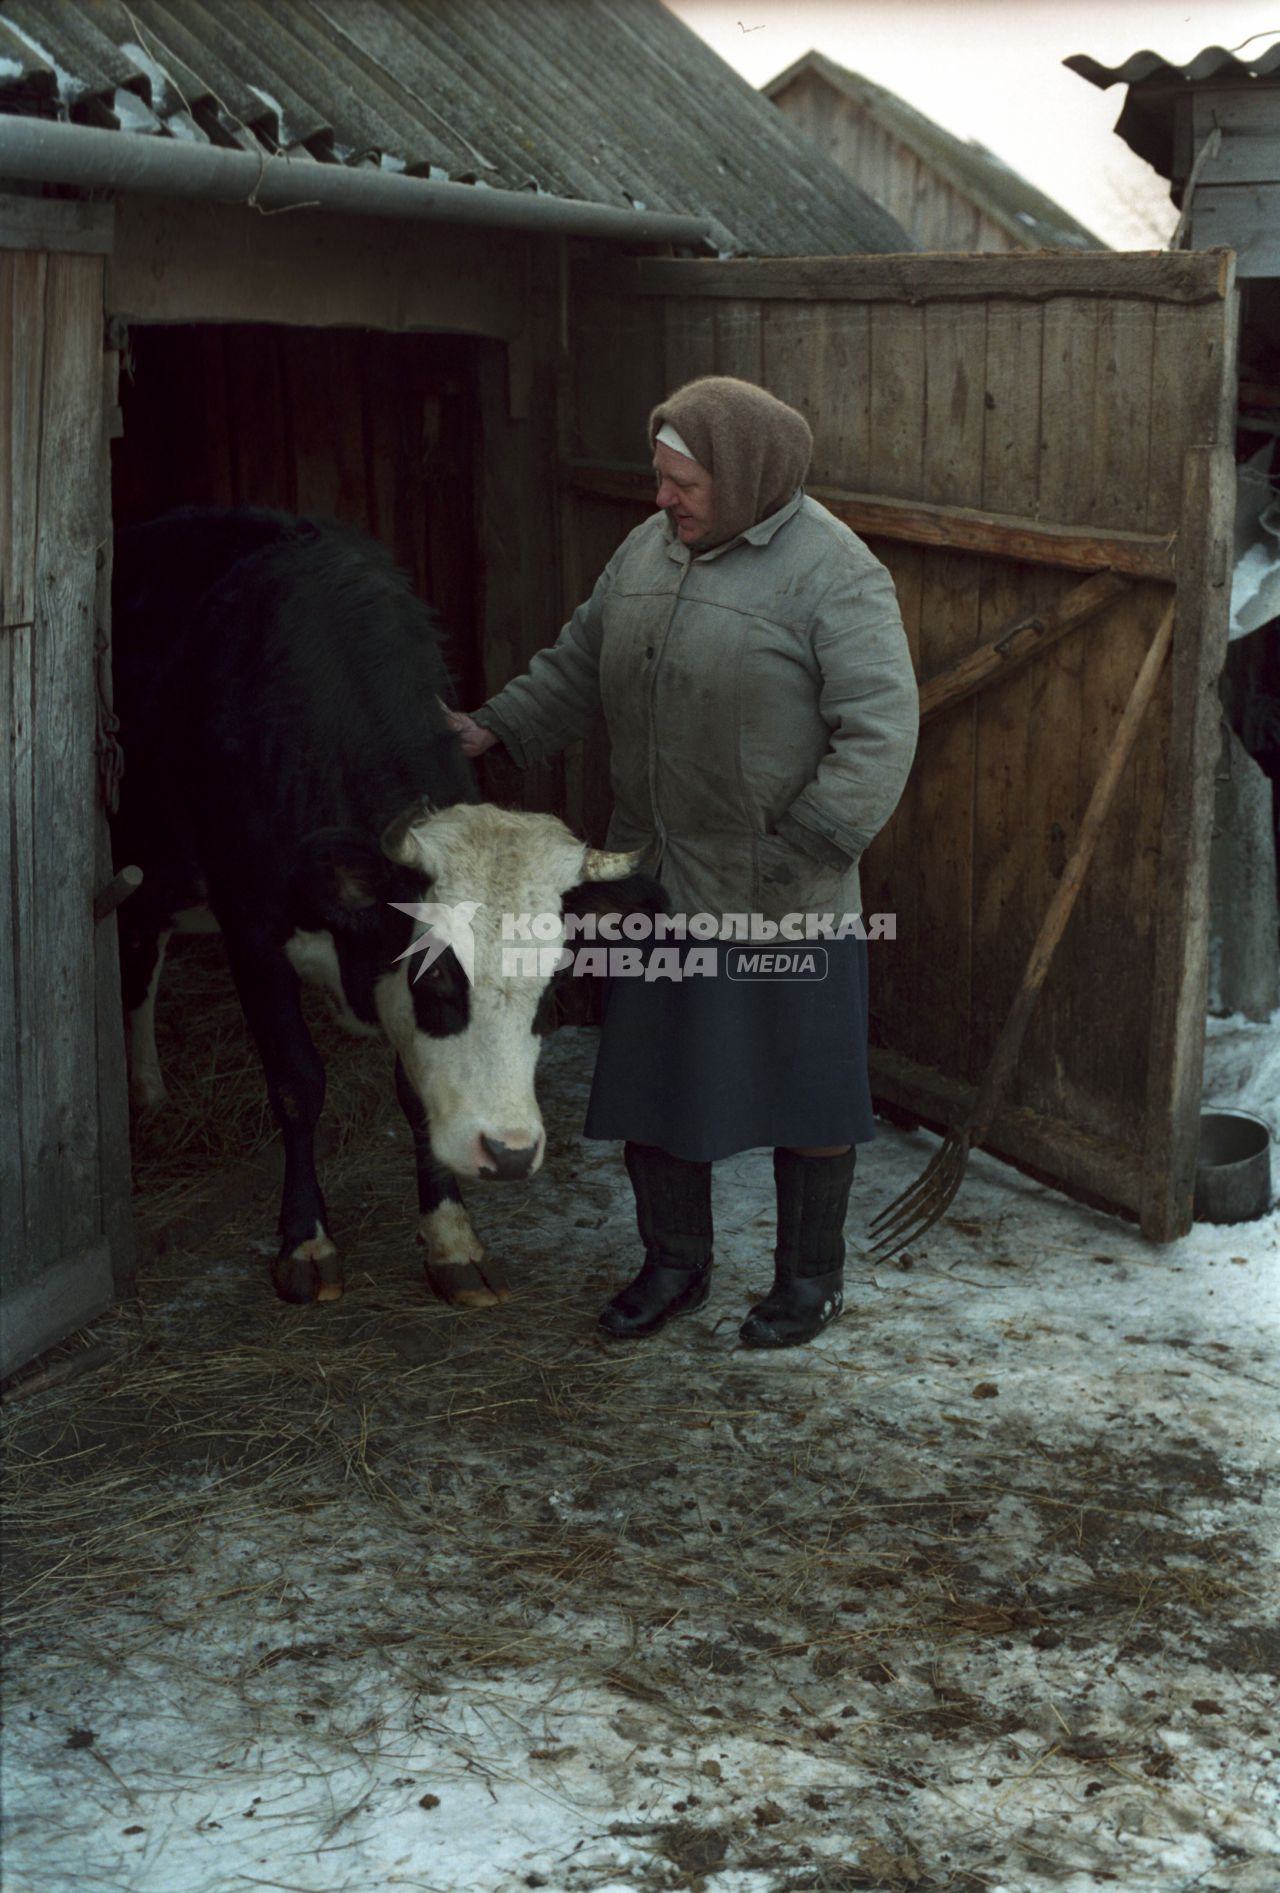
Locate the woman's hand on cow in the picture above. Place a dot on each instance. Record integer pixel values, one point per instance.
(475, 739)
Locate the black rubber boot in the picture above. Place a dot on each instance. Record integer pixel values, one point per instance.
(673, 1215)
(808, 1263)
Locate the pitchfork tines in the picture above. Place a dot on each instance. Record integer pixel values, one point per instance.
(925, 1202)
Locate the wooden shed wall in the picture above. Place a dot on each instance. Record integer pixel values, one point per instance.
(63, 1193)
(1065, 399)
(1230, 136)
(933, 211)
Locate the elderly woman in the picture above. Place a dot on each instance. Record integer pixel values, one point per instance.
(749, 656)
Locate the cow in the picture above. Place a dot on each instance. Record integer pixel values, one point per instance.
(290, 778)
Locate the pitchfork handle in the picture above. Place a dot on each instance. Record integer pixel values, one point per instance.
(1054, 923)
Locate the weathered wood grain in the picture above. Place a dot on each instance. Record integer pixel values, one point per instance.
(115, 1168)
(1191, 276)
(954, 420)
(1015, 644)
(1244, 218)
(952, 528)
(1179, 965)
(49, 223)
(1003, 928)
(1111, 929)
(1095, 1168)
(61, 1108)
(895, 448)
(22, 286)
(688, 343)
(1054, 796)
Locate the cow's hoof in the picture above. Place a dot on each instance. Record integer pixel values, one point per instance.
(468, 1284)
(311, 1271)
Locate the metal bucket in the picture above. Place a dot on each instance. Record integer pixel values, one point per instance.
(1233, 1168)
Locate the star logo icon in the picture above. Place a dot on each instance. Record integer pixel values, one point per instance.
(445, 928)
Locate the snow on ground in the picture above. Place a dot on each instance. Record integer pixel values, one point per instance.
(976, 1595)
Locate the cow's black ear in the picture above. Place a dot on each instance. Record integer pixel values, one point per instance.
(342, 877)
(634, 894)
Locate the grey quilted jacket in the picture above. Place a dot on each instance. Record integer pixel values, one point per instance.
(760, 702)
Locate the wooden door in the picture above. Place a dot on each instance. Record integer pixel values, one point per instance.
(999, 429)
(63, 1172)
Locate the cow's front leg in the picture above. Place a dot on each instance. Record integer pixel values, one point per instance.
(141, 959)
(307, 1267)
(458, 1270)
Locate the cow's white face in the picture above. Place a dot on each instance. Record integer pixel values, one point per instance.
(469, 1035)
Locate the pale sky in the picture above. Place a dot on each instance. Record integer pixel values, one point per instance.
(992, 70)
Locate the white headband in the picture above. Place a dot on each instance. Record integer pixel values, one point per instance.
(669, 438)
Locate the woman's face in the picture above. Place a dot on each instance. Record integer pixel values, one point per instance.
(686, 493)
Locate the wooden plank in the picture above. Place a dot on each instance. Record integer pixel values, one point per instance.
(1109, 940)
(895, 458)
(115, 1169)
(1241, 217)
(14, 853)
(610, 411)
(951, 474)
(1003, 656)
(887, 870)
(1181, 276)
(22, 285)
(1055, 798)
(183, 261)
(1074, 548)
(842, 422)
(1244, 157)
(688, 343)
(50, 223)
(59, 1073)
(739, 340)
(1098, 1169)
(1003, 929)
(1180, 965)
(63, 1297)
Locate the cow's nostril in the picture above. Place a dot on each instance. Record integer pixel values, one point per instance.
(508, 1160)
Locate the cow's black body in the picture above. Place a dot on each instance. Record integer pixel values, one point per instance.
(277, 683)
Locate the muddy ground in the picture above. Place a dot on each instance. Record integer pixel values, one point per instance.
(978, 1592)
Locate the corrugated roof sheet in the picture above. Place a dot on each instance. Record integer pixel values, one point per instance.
(1215, 62)
(606, 101)
(1146, 118)
(982, 177)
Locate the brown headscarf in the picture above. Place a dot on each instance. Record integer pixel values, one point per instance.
(754, 446)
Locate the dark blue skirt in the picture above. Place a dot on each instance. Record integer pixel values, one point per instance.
(711, 1065)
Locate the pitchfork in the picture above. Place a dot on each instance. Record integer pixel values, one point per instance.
(928, 1198)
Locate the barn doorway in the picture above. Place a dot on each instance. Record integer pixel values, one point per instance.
(377, 429)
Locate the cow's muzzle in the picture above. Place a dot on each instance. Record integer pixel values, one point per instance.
(504, 1162)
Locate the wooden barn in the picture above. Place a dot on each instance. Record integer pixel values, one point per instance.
(395, 270)
(948, 192)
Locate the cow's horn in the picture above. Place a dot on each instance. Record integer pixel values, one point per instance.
(396, 843)
(600, 864)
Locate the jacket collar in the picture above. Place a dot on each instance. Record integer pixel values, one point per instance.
(758, 535)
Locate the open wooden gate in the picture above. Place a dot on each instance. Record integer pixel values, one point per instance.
(998, 429)
(64, 1168)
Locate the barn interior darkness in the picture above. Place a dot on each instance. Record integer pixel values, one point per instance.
(376, 429)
